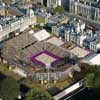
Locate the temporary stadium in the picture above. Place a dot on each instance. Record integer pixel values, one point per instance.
(34, 54)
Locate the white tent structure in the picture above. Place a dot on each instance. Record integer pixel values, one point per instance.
(95, 60)
(41, 35)
(98, 47)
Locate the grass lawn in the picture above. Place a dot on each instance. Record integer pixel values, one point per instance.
(33, 84)
(62, 85)
(59, 84)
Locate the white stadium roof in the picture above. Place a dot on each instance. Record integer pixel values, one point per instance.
(93, 59)
(41, 35)
(98, 45)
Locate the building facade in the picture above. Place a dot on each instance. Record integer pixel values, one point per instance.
(90, 9)
(53, 3)
(15, 25)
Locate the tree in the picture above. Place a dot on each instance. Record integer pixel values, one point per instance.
(9, 89)
(93, 77)
(58, 9)
(90, 80)
(36, 94)
(85, 68)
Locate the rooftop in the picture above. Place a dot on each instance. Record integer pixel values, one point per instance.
(79, 52)
(56, 41)
(93, 59)
(41, 35)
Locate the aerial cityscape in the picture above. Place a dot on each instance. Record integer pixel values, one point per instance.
(49, 49)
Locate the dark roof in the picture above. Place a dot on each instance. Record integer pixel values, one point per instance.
(13, 12)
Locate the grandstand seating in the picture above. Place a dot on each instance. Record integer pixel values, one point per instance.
(25, 45)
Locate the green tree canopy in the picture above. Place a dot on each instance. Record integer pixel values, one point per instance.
(9, 89)
(90, 80)
(93, 77)
(58, 9)
(36, 94)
